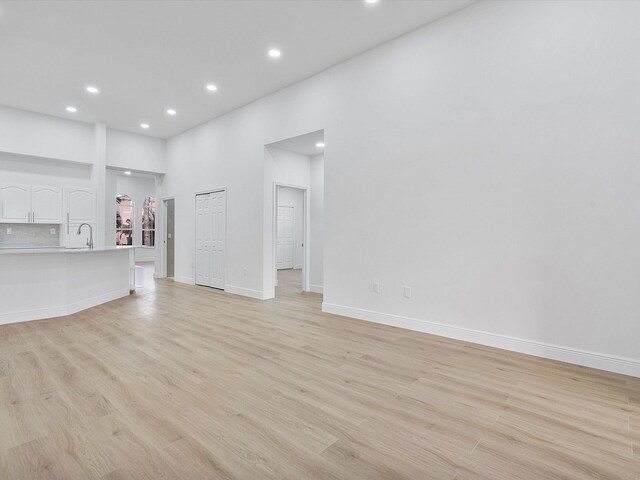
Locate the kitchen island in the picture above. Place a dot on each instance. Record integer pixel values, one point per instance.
(50, 282)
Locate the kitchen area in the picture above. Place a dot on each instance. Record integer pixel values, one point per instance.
(49, 262)
(68, 241)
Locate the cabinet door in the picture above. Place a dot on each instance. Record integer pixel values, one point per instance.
(46, 204)
(15, 203)
(81, 205)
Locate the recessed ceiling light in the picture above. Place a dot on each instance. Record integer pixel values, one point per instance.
(72, 109)
(274, 53)
(92, 89)
(127, 172)
(371, 1)
(144, 125)
(171, 111)
(319, 144)
(211, 87)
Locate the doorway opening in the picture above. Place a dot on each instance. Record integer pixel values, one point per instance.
(291, 233)
(131, 211)
(294, 204)
(168, 241)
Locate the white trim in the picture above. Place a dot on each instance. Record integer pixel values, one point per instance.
(317, 288)
(62, 310)
(611, 363)
(246, 292)
(181, 279)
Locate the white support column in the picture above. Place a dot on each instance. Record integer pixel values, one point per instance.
(98, 178)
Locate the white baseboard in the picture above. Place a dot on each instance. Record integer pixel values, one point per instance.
(246, 292)
(61, 310)
(316, 288)
(189, 280)
(611, 363)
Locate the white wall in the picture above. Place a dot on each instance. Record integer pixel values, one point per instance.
(33, 134)
(292, 197)
(135, 152)
(41, 171)
(317, 223)
(488, 160)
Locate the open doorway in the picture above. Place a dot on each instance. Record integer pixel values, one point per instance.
(168, 241)
(294, 201)
(130, 211)
(291, 232)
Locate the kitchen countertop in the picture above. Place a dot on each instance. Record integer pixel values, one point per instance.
(52, 250)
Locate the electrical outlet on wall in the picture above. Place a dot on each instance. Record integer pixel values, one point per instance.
(9, 231)
(407, 292)
(53, 231)
(376, 286)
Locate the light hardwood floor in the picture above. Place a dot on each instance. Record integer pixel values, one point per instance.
(183, 382)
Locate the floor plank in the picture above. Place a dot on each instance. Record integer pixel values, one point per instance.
(184, 382)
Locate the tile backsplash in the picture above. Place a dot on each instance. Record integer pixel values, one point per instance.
(29, 235)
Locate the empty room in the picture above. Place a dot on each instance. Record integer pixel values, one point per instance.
(320, 239)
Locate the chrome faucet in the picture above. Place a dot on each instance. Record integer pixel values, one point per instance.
(90, 241)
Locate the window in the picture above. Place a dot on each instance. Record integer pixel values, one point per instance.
(149, 222)
(124, 220)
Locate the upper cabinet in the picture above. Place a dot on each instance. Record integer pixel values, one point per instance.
(15, 203)
(46, 204)
(30, 204)
(80, 205)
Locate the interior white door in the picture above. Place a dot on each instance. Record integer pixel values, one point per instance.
(211, 239)
(285, 238)
(46, 204)
(203, 240)
(218, 226)
(15, 203)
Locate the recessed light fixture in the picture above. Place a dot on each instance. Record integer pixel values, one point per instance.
(320, 144)
(274, 53)
(171, 111)
(211, 87)
(72, 109)
(144, 125)
(371, 1)
(127, 172)
(92, 89)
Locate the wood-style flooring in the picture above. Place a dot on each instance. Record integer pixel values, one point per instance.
(184, 382)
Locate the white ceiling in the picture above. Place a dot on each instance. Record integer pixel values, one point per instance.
(303, 144)
(148, 56)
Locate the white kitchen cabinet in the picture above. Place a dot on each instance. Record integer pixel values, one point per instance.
(15, 203)
(46, 204)
(80, 205)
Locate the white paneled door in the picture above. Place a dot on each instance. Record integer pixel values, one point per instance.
(211, 211)
(285, 238)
